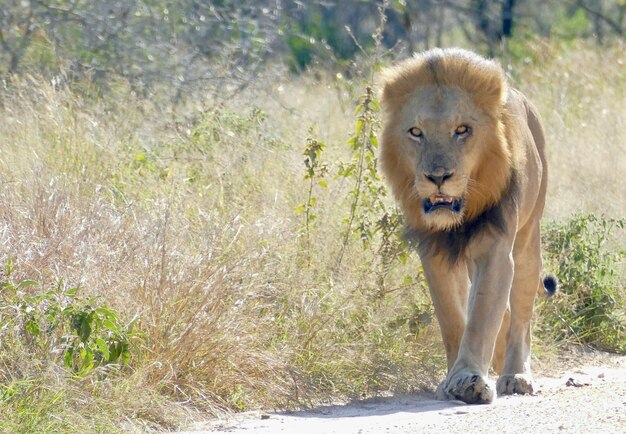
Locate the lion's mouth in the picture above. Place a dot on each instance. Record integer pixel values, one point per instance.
(439, 201)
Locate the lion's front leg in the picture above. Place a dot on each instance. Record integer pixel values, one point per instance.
(449, 290)
(491, 284)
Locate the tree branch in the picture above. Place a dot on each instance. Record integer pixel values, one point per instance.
(617, 28)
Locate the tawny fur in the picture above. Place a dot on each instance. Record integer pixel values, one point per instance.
(484, 80)
(484, 291)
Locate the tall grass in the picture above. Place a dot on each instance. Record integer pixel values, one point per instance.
(189, 223)
(580, 91)
(192, 231)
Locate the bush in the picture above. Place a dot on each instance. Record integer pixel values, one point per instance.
(57, 322)
(53, 337)
(590, 309)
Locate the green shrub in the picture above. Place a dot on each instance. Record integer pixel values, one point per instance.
(56, 322)
(590, 308)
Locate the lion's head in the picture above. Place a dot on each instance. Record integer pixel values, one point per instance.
(444, 145)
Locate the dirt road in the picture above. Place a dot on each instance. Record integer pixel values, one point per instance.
(589, 399)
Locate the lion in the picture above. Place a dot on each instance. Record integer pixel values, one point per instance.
(464, 155)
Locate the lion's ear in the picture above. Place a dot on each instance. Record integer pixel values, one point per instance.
(390, 88)
(490, 88)
(399, 81)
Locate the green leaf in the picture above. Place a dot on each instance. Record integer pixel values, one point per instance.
(107, 313)
(26, 283)
(68, 357)
(353, 142)
(33, 327)
(300, 208)
(104, 348)
(84, 328)
(125, 356)
(111, 326)
(9, 266)
(115, 351)
(359, 127)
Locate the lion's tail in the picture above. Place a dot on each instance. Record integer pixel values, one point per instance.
(550, 284)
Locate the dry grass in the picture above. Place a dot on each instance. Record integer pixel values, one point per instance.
(580, 91)
(190, 224)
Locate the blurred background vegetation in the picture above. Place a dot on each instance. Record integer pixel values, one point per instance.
(192, 218)
(188, 45)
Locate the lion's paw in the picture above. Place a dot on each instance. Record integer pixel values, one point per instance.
(514, 384)
(467, 387)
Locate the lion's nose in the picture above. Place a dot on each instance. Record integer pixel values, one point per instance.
(439, 176)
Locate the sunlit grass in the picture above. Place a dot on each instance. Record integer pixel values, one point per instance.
(188, 221)
(580, 91)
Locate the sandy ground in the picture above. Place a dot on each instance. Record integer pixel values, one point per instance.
(585, 394)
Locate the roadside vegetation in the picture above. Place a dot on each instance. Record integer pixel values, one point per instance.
(168, 261)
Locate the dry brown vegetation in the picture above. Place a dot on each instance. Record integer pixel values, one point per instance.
(580, 93)
(188, 222)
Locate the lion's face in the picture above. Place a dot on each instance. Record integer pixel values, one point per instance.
(438, 129)
(445, 149)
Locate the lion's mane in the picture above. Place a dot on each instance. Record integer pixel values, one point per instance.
(493, 176)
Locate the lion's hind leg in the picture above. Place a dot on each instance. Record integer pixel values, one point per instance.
(516, 377)
(497, 362)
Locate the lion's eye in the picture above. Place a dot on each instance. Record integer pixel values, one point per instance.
(462, 130)
(415, 133)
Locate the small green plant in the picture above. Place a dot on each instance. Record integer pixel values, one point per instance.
(98, 336)
(590, 308)
(370, 217)
(239, 398)
(367, 193)
(316, 170)
(58, 321)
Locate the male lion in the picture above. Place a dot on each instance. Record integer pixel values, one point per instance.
(465, 157)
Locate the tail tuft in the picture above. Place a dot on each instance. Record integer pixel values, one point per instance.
(551, 284)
